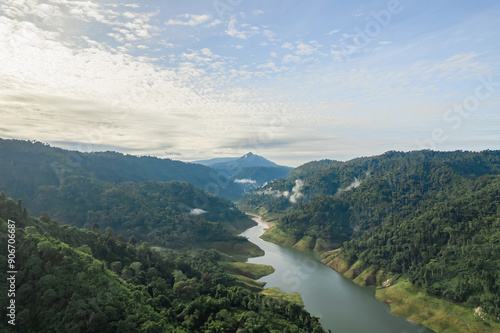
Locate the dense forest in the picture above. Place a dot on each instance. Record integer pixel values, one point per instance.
(432, 216)
(171, 214)
(80, 280)
(125, 193)
(27, 165)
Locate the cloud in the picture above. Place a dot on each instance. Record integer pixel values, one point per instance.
(353, 185)
(59, 14)
(245, 181)
(233, 32)
(295, 195)
(197, 211)
(214, 23)
(290, 58)
(190, 20)
(305, 49)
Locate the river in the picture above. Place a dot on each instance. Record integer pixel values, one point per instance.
(341, 305)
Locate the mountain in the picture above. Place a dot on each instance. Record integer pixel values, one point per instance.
(27, 165)
(249, 171)
(245, 161)
(78, 280)
(430, 217)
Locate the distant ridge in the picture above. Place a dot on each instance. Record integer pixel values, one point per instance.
(248, 160)
(249, 171)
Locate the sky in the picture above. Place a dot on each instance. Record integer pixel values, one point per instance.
(290, 80)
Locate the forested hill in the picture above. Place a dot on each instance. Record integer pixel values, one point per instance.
(78, 280)
(432, 216)
(26, 165)
(330, 178)
(170, 214)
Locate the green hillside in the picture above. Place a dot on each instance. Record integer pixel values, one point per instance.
(432, 216)
(170, 214)
(71, 280)
(27, 165)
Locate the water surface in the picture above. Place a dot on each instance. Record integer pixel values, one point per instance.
(343, 307)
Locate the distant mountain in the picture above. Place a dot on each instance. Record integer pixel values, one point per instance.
(245, 161)
(249, 171)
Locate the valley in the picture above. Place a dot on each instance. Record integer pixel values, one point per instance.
(418, 231)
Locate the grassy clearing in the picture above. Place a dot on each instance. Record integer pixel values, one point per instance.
(306, 243)
(252, 271)
(277, 293)
(367, 277)
(249, 283)
(435, 313)
(276, 236)
(238, 250)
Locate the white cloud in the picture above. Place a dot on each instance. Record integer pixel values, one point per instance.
(214, 23)
(353, 185)
(190, 20)
(290, 58)
(304, 49)
(245, 181)
(233, 32)
(197, 211)
(332, 32)
(295, 195)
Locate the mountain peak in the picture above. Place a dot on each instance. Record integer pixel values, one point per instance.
(248, 155)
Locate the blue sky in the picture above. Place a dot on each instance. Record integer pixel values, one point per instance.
(293, 81)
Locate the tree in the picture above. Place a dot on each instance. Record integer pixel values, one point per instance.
(44, 217)
(110, 233)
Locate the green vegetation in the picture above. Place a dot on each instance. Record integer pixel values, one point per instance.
(72, 280)
(277, 236)
(431, 217)
(246, 274)
(28, 165)
(171, 214)
(252, 271)
(278, 294)
(435, 313)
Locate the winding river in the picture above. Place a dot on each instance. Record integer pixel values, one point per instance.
(343, 307)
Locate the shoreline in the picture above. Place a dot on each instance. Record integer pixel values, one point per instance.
(258, 219)
(406, 301)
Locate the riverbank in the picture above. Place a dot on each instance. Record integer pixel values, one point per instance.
(324, 293)
(405, 300)
(260, 221)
